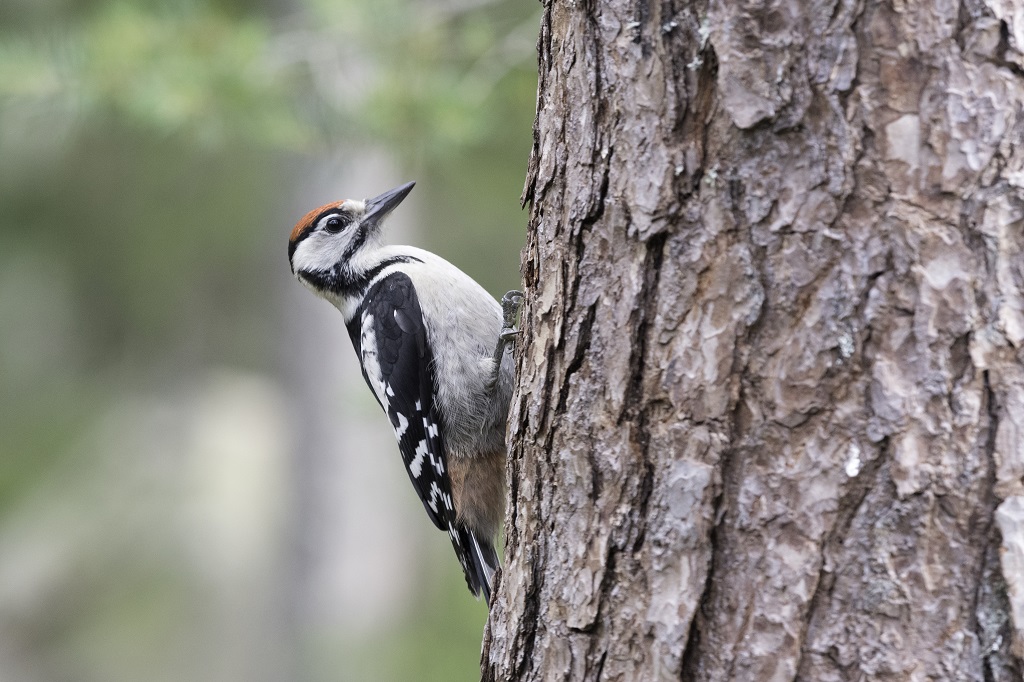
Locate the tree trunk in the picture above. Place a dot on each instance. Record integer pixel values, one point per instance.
(770, 422)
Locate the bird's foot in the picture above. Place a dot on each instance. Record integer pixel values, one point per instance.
(510, 304)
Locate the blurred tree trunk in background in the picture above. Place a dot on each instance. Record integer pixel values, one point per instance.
(770, 423)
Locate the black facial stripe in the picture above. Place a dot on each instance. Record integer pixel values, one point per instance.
(342, 281)
(357, 241)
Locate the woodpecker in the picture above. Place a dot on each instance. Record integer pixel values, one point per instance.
(432, 344)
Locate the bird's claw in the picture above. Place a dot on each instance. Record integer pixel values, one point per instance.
(510, 303)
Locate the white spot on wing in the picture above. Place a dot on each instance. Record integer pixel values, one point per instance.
(430, 429)
(416, 465)
(435, 493)
(403, 425)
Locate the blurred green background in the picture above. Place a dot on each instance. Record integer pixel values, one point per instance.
(195, 484)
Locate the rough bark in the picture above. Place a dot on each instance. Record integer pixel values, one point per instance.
(770, 422)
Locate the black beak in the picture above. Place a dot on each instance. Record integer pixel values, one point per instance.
(382, 204)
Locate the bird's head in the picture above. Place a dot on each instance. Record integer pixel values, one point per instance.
(327, 239)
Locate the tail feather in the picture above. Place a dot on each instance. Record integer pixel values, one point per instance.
(479, 561)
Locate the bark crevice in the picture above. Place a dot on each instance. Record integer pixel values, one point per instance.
(850, 505)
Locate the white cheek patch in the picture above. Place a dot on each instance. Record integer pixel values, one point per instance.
(319, 251)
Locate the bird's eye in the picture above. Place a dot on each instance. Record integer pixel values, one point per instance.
(335, 224)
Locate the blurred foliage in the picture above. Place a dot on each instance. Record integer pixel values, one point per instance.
(418, 74)
(151, 156)
(188, 68)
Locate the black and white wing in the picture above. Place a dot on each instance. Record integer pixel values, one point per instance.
(397, 362)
